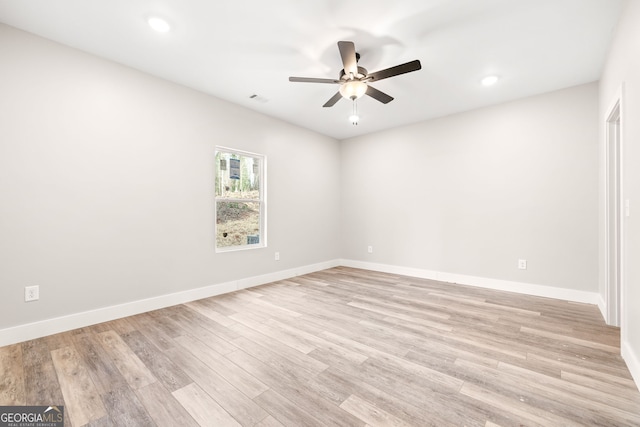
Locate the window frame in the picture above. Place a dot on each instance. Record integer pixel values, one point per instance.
(262, 199)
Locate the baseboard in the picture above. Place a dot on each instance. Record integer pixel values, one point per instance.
(602, 307)
(482, 282)
(632, 361)
(79, 320)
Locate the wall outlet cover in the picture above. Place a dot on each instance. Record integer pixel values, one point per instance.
(31, 293)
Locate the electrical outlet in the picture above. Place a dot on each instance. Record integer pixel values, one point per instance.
(522, 264)
(370, 249)
(31, 293)
(277, 256)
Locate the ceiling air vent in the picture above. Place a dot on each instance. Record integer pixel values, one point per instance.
(258, 98)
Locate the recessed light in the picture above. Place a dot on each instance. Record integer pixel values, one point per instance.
(159, 24)
(489, 80)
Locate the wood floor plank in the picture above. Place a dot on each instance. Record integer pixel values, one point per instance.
(102, 370)
(205, 410)
(317, 342)
(341, 346)
(161, 320)
(237, 404)
(162, 368)
(285, 411)
(567, 338)
(629, 396)
(56, 341)
(276, 333)
(241, 379)
(82, 401)
(40, 378)
(208, 311)
(128, 363)
(489, 306)
(411, 368)
(276, 353)
(579, 364)
(405, 308)
(278, 361)
(369, 413)
(266, 374)
(394, 314)
(125, 409)
(12, 390)
(269, 422)
(627, 411)
(520, 410)
(194, 317)
(337, 386)
(409, 400)
(292, 387)
(610, 374)
(496, 382)
(214, 303)
(364, 335)
(445, 306)
(276, 310)
(120, 326)
(445, 352)
(193, 326)
(153, 329)
(163, 408)
(336, 356)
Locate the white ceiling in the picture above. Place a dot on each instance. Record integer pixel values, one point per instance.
(234, 49)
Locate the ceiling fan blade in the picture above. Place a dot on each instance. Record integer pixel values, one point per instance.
(312, 80)
(335, 98)
(348, 55)
(394, 71)
(379, 95)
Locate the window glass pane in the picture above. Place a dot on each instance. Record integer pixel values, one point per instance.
(239, 199)
(237, 176)
(237, 223)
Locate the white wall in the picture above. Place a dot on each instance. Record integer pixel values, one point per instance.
(622, 70)
(472, 193)
(106, 184)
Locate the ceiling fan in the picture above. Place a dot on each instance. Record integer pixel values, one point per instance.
(354, 80)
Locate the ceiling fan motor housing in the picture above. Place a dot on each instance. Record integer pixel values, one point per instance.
(362, 73)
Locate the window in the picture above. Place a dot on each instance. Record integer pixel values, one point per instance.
(240, 200)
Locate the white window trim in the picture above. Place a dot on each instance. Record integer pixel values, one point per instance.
(262, 200)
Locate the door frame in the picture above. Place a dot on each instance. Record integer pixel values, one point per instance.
(614, 213)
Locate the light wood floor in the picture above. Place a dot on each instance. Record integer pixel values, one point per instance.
(339, 347)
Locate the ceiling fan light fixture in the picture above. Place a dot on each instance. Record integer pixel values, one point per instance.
(158, 24)
(353, 89)
(354, 80)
